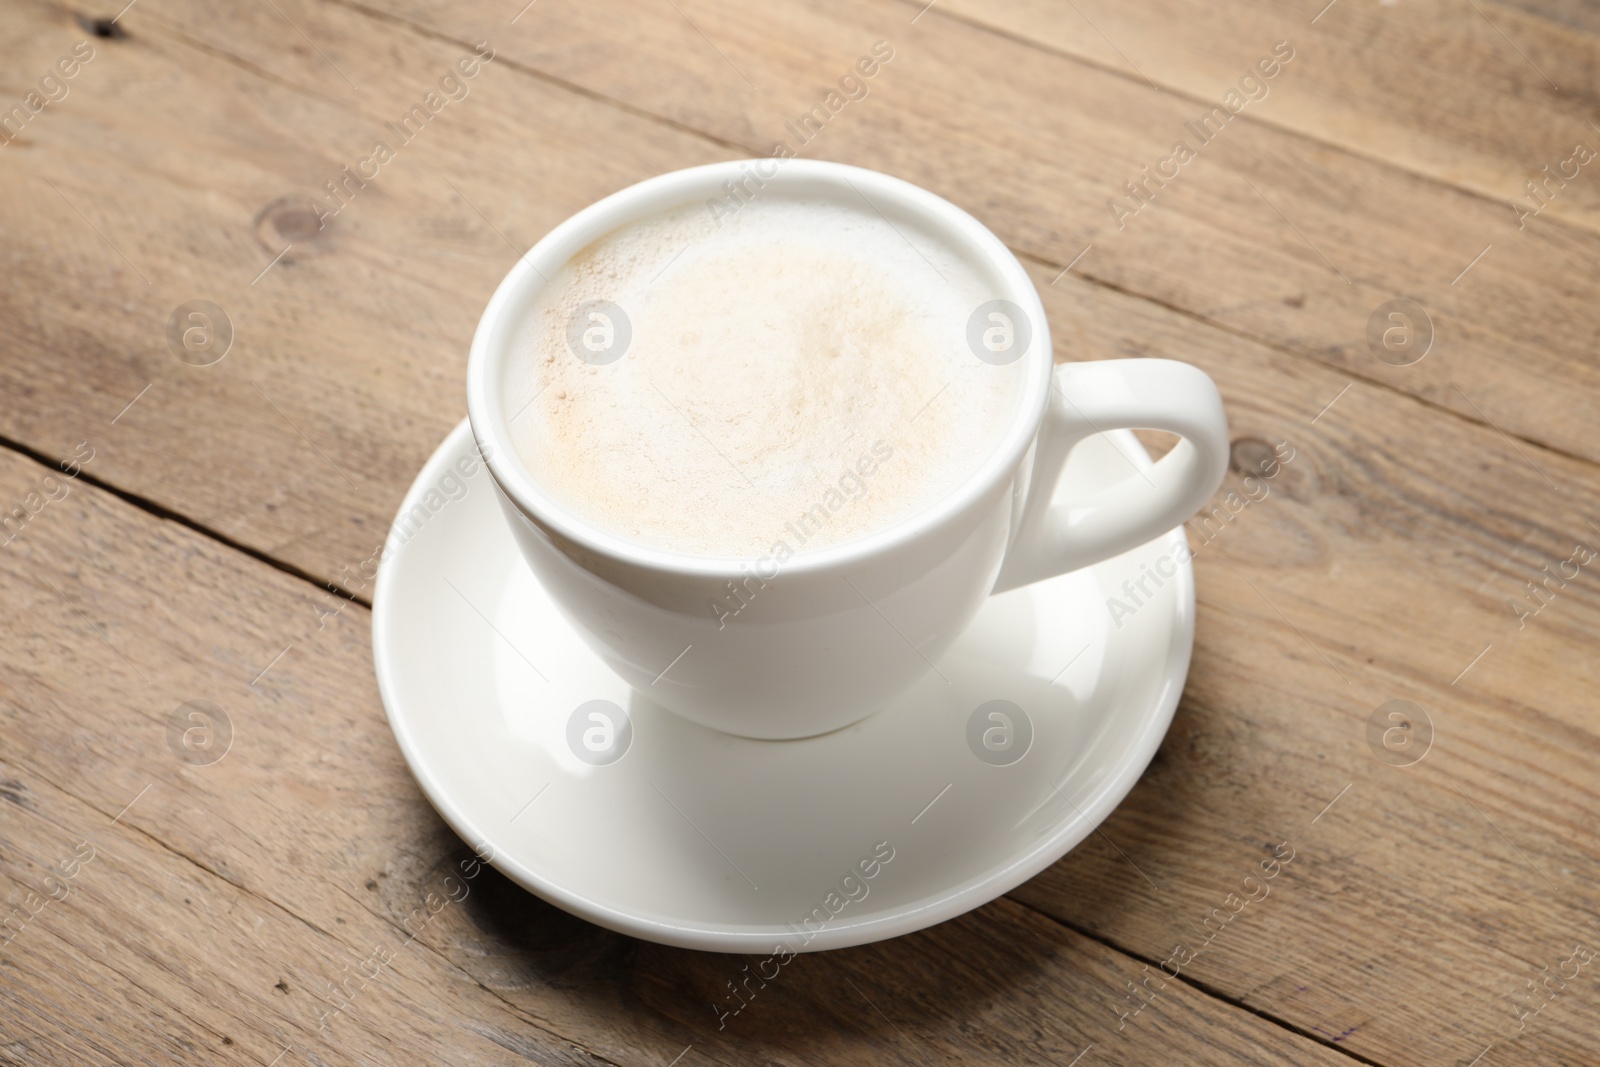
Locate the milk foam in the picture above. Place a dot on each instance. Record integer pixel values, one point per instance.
(797, 376)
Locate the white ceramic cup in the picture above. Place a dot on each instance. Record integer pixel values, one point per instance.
(836, 632)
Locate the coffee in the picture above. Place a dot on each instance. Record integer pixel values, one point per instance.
(796, 375)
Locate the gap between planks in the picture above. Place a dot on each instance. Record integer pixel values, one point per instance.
(161, 511)
(1204, 988)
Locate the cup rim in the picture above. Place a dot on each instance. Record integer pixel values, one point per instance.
(486, 361)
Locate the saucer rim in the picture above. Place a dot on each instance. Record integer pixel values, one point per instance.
(944, 904)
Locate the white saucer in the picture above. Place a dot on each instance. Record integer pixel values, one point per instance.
(703, 840)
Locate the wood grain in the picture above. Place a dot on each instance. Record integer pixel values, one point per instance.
(349, 354)
(1441, 90)
(1380, 564)
(346, 386)
(1376, 566)
(221, 904)
(1276, 233)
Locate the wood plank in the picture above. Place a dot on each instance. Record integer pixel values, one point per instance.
(1460, 97)
(224, 900)
(144, 954)
(348, 357)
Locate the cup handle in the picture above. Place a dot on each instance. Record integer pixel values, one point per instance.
(1119, 394)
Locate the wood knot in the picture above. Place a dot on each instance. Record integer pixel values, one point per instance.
(107, 28)
(15, 792)
(291, 220)
(1252, 455)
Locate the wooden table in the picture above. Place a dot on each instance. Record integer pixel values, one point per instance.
(182, 521)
